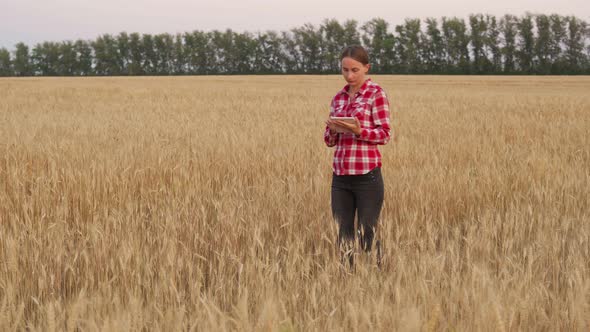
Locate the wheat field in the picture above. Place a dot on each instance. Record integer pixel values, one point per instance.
(203, 204)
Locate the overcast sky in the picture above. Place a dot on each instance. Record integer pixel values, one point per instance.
(33, 21)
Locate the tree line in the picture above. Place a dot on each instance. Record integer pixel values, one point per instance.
(482, 44)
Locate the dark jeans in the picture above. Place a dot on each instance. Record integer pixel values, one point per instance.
(362, 194)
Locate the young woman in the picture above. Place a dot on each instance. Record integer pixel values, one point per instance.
(357, 184)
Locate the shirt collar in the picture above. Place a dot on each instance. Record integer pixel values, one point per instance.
(361, 90)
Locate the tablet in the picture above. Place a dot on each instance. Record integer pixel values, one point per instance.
(343, 118)
(349, 119)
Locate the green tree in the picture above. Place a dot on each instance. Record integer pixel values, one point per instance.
(456, 43)
(532, 44)
(5, 63)
(556, 54)
(101, 65)
(543, 42)
(164, 48)
(68, 61)
(574, 45)
(222, 44)
(414, 48)
(179, 60)
(200, 53)
(112, 56)
(150, 57)
(269, 56)
(479, 29)
(380, 44)
(492, 44)
(526, 44)
(351, 33)
(84, 57)
(243, 53)
(106, 56)
(587, 37)
(509, 31)
(22, 61)
(122, 53)
(45, 58)
(189, 48)
(434, 51)
(334, 36)
(293, 58)
(310, 46)
(136, 55)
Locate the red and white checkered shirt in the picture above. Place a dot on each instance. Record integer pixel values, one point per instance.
(358, 154)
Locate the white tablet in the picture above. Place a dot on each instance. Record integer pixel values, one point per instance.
(349, 119)
(343, 118)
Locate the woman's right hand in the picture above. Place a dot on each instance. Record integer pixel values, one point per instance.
(330, 123)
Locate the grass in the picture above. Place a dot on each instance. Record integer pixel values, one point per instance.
(203, 203)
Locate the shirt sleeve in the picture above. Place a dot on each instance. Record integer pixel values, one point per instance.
(329, 138)
(380, 133)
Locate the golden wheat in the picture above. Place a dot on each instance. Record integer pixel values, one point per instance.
(202, 203)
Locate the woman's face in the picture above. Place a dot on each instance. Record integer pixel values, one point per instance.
(354, 71)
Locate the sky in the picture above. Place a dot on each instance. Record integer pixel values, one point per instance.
(34, 21)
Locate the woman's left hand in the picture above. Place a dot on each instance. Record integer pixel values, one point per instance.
(353, 127)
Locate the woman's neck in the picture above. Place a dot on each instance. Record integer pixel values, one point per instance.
(353, 89)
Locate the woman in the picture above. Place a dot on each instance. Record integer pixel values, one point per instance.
(357, 184)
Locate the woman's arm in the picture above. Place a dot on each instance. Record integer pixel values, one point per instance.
(380, 134)
(330, 136)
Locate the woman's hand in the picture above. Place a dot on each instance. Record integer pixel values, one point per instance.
(332, 125)
(351, 127)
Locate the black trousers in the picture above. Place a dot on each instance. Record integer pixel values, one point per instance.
(360, 194)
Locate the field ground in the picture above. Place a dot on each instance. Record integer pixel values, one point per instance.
(203, 203)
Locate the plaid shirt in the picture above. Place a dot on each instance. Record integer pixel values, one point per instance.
(358, 154)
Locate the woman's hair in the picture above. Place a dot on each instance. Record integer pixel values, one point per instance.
(357, 53)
